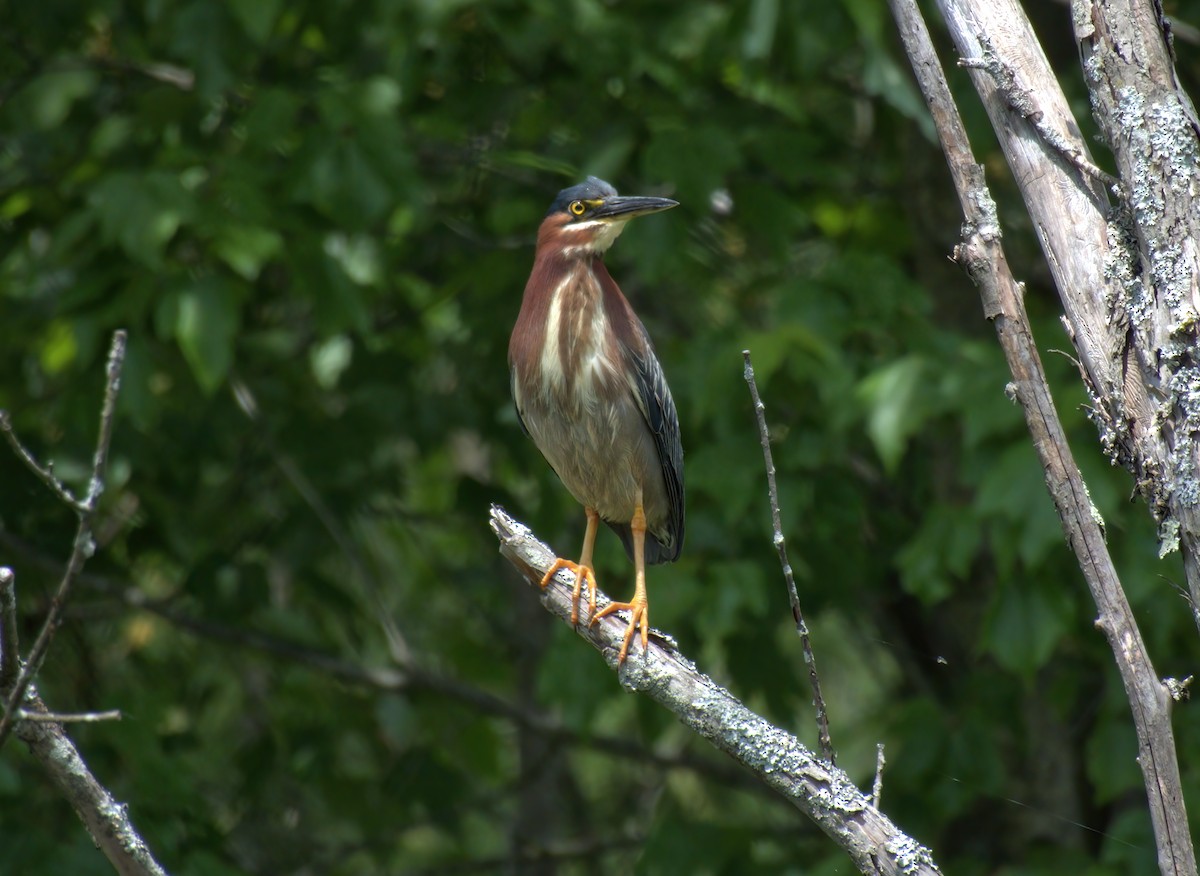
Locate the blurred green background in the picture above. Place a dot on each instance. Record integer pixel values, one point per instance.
(315, 219)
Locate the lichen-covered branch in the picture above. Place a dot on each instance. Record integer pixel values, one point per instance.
(1150, 124)
(982, 256)
(1128, 273)
(821, 791)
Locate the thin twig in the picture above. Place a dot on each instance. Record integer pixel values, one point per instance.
(877, 786)
(83, 546)
(43, 473)
(810, 660)
(69, 717)
(10, 649)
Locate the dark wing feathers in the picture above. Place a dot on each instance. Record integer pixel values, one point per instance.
(654, 399)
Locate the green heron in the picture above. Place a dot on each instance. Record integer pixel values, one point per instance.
(592, 396)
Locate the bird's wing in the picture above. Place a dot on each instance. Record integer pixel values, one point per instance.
(654, 399)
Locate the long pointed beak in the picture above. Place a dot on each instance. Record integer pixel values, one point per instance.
(626, 207)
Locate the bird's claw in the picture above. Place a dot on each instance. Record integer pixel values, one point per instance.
(639, 616)
(582, 573)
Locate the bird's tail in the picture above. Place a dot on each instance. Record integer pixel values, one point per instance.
(656, 551)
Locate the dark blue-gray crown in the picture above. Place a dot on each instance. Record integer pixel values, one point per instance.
(592, 189)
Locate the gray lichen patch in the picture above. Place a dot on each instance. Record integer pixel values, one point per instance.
(988, 222)
(1184, 480)
(1145, 200)
(911, 856)
(1122, 270)
(1173, 144)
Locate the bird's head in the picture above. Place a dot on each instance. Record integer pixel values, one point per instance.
(584, 220)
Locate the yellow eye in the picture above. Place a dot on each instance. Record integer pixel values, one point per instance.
(577, 208)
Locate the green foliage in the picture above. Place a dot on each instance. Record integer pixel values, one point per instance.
(315, 221)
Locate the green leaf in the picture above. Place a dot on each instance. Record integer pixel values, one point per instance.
(1027, 621)
(942, 551)
(341, 181)
(59, 347)
(46, 102)
(1112, 754)
(257, 17)
(760, 30)
(206, 324)
(895, 400)
(140, 212)
(329, 359)
(247, 248)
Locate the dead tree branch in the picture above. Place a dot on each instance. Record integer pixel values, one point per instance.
(1129, 278)
(818, 789)
(1151, 127)
(982, 256)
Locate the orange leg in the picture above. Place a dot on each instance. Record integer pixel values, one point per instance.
(638, 607)
(582, 569)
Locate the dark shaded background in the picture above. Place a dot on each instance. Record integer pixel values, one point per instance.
(315, 220)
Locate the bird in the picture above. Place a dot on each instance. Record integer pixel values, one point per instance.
(592, 395)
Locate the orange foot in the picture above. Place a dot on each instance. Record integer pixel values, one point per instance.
(582, 573)
(639, 615)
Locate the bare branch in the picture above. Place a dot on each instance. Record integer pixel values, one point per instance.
(105, 819)
(810, 659)
(10, 649)
(69, 717)
(83, 546)
(44, 473)
(817, 788)
(877, 786)
(982, 256)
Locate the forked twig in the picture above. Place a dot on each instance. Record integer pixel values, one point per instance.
(83, 546)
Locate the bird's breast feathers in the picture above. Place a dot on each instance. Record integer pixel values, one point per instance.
(577, 358)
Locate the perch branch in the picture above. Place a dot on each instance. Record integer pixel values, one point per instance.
(810, 659)
(982, 256)
(818, 789)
